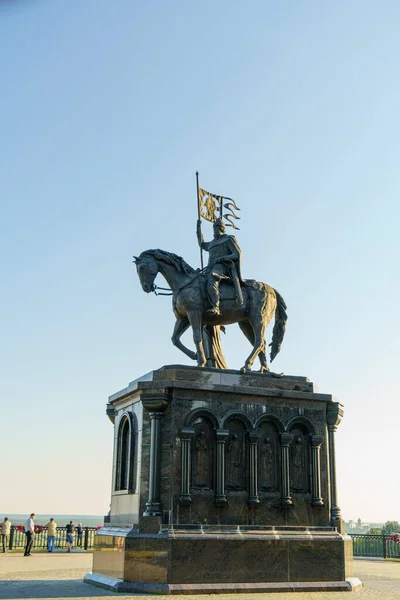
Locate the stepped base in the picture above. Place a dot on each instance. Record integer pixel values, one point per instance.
(353, 584)
(222, 560)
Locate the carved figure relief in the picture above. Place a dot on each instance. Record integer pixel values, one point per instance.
(203, 451)
(201, 459)
(234, 462)
(235, 456)
(298, 463)
(267, 456)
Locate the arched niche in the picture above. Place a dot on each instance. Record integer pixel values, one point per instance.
(300, 458)
(191, 417)
(203, 452)
(125, 472)
(236, 454)
(269, 456)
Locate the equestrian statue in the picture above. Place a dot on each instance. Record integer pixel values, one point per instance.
(206, 299)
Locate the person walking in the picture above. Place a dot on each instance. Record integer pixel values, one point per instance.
(51, 534)
(70, 528)
(29, 529)
(5, 529)
(79, 530)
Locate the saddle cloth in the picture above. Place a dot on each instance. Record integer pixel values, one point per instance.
(227, 289)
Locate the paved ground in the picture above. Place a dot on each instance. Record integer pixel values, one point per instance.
(45, 576)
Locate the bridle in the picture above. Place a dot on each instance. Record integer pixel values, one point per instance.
(170, 291)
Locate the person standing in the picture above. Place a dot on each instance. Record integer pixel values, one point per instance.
(79, 530)
(70, 528)
(51, 534)
(5, 528)
(29, 529)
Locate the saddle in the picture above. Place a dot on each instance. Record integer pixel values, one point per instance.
(228, 288)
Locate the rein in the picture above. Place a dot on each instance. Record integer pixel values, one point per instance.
(170, 291)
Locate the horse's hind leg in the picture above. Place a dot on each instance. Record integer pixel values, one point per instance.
(262, 355)
(258, 344)
(247, 329)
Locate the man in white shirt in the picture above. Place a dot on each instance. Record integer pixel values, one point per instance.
(29, 532)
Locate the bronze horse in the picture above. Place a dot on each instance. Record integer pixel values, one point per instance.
(190, 303)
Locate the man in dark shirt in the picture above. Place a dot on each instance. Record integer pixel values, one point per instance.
(70, 528)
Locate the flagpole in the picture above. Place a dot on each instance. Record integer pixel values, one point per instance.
(199, 216)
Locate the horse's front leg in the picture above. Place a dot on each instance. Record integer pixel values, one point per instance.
(195, 321)
(181, 325)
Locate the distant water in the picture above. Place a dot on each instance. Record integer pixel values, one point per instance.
(86, 520)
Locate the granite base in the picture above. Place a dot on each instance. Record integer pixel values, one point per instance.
(221, 559)
(353, 584)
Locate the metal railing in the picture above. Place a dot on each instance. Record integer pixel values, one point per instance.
(17, 539)
(365, 545)
(374, 546)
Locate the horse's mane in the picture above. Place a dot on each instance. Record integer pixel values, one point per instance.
(170, 258)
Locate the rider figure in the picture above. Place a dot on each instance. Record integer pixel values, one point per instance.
(223, 261)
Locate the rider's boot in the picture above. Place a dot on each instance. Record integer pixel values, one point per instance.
(213, 294)
(214, 311)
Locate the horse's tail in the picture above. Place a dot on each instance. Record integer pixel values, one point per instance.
(279, 326)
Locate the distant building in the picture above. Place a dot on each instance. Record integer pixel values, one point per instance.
(357, 526)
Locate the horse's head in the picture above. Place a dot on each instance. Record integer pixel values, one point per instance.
(170, 265)
(147, 269)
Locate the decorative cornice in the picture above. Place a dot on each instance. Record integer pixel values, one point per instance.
(254, 437)
(334, 413)
(110, 412)
(187, 433)
(222, 435)
(316, 440)
(155, 401)
(286, 438)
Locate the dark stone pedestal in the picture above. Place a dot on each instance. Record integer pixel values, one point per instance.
(218, 559)
(223, 482)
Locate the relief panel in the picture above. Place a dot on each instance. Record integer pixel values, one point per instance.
(236, 456)
(268, 458)
(299, 462)
(203, 454)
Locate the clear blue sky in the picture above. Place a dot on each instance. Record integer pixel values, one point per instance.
(107, 110)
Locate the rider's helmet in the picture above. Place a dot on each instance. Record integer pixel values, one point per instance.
(219, 224)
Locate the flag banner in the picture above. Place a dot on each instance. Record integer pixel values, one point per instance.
(231, 214)
(210, 205)
(211, 208)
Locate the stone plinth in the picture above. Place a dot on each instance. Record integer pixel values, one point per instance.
(223, 481)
